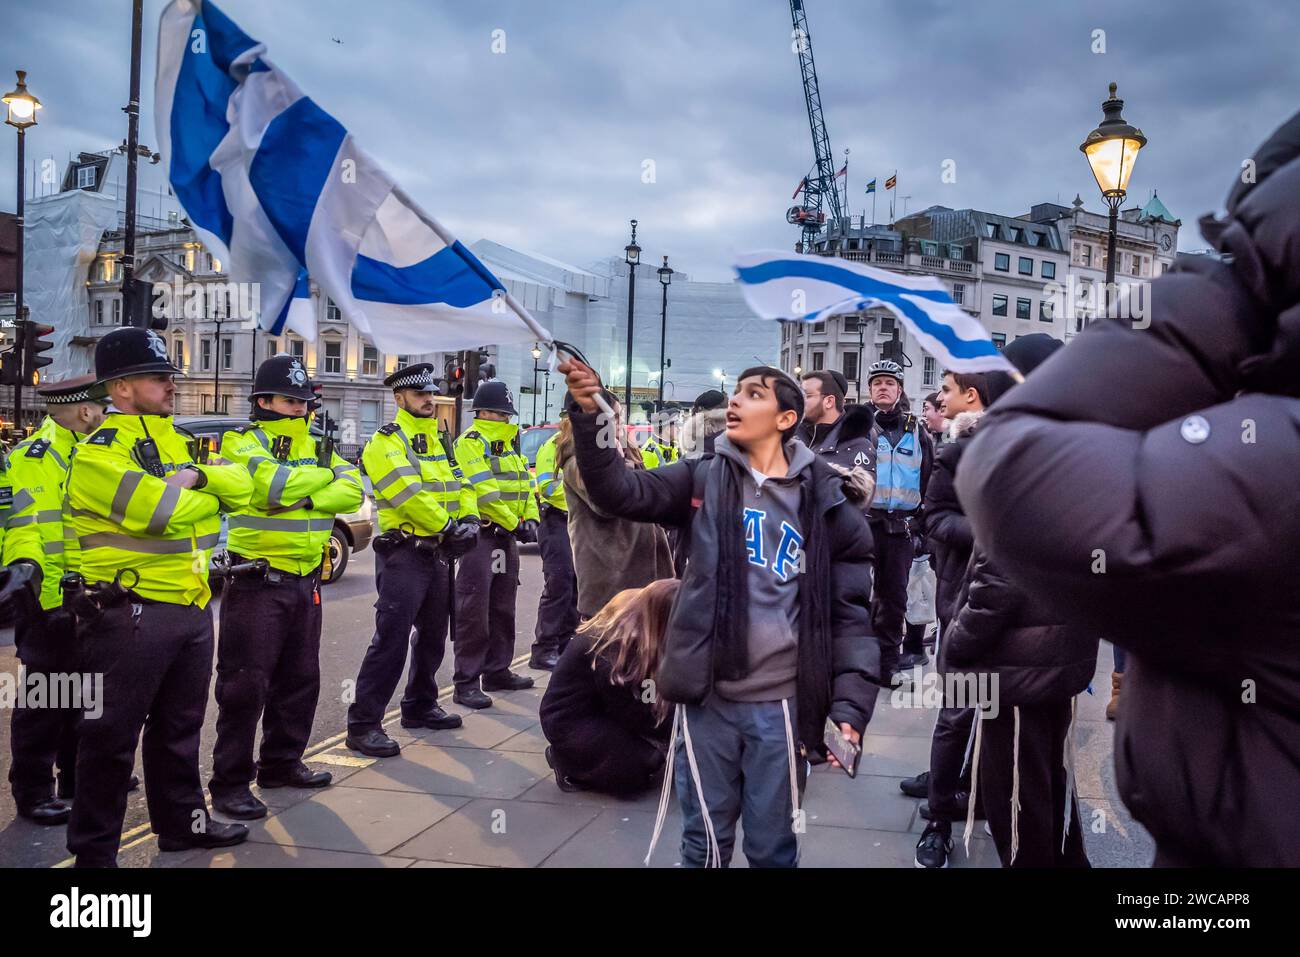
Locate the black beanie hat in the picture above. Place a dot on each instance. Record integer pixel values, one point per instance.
(1026, 353)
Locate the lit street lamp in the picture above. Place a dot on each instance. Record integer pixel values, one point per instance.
(632, 256)
(1112, 149)
(665, 278)
(21, 109)
(722, 376)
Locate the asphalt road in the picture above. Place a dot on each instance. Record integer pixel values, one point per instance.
(348, 626)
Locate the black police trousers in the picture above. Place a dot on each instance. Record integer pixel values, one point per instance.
(44, 735)
(413, 592)
(268, 670)
(156, 662)
(949, 769)
(487, 582)
(557, 611)
(894, 554)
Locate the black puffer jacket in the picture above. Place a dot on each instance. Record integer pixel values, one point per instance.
(849, 442)
(1165, 511)
(1004, 629)
(947, 530)
(672, 495)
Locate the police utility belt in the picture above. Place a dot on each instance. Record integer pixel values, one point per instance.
(403, 537)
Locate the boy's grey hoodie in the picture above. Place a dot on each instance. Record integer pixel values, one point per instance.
(772, 518)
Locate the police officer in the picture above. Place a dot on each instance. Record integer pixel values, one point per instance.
(557, 610)
(426, 520)
(45, 634)
(904, 457)
(268, 653)
(146, 519)
(489, 459)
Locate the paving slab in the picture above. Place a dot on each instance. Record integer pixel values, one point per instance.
(620, 837)
(354, 820)
(466, 772)
(870, 801)
(257, 854)
(499, 833)
(480, 730)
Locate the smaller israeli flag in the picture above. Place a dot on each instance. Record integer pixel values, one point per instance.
(780, 285)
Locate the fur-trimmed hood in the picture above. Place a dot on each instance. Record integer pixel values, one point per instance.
(963, 425)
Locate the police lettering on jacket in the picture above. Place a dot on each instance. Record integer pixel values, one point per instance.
(413, 481)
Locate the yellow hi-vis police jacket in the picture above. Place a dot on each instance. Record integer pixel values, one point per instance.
(294, 502)
(549, 479)
(126, 518)
(38, 472)
(6, 494)
(412, 479)
(489, 459)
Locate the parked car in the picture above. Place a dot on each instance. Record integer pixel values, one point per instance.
(352, 532)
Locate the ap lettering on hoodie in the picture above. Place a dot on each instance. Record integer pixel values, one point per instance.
(785, 562)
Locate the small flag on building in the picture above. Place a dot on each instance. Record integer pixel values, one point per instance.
(780, 285)
(871, 187)
(891, 182)
(842, 171)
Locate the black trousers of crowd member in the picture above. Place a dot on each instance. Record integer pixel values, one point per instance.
(156, 659)
(414, 592)
(948, 745)
(894, 554)
(44, 736)
(557, 611)
(268, 670)
(1043, 795)
(486, 585)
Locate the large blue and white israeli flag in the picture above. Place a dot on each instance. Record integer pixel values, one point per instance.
(276, 187)
(780, 285)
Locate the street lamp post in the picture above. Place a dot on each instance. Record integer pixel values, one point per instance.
(721, 375)
(665, 279)
(21, 113)
(546, 399)
(632, 256)
(537, 354)
(1112, 149)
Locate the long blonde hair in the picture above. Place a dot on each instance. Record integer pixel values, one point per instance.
(630, 632)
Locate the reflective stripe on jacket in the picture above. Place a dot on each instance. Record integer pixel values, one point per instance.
(38, 471)
(549, 479)
(489, 459)
(898, 472)
(411, 478)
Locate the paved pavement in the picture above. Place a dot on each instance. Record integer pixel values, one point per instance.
(483, 795)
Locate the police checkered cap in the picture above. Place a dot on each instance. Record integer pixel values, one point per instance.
(419, 377)
(72, 391)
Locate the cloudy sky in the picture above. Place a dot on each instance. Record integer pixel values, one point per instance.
(543, 146)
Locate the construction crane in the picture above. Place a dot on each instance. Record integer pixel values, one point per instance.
(819, 184)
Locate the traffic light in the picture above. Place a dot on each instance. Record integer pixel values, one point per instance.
(454, 375)
(11, 372)
(34, 348)
(893, 349)
(146, 305)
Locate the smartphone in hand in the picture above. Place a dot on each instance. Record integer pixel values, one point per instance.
(844, 750)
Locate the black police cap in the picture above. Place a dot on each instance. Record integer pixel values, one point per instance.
(285, 375)
(131, 351)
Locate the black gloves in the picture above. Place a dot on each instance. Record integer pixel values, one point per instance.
(20, 584)
(459, 538)
(526, 531)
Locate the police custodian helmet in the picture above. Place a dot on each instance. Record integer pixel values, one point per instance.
(131, 351)
(494, 397)
(419, 377)
(285, 375)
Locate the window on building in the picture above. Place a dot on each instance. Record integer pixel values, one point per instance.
(272, 348)
(956, 252)
(117, 312)
(1000, 340)
(205, 355)
(227, 353)
(216, 303)
(1026, 266)
(819, 361)
(1018, 235)
(1164, 268)
(887, 324)
(332, 311)
(369, 417)
(99, 312)
(86, 177)
(999, 305)
(1137, 262)
(403, 361)
(333, 356)
(369, 360)
(928, 373)
(1002, 262)
(959, 292)
(850, 364)
(991, 230)
(929, 248)
(1048, 269)
(178, 353)
(1023, 307)
(1045, 311)
(851, 323)
(297, 348)
(333, 408)
(1083, 254)
(819, 327)
(798, 360)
